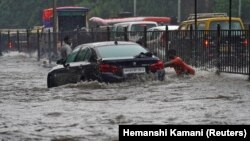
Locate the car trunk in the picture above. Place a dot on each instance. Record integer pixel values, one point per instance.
(131, 66)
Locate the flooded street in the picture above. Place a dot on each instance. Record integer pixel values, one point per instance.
(92, 111)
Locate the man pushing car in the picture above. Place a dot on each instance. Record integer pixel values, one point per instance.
(180, 67)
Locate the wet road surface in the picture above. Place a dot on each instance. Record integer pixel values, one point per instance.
(92, 111)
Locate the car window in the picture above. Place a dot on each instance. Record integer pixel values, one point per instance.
(120, 51)
(71, 57)
(88, 55)
(183, 27)
(140, 27)
(190, 25)
(149, 34)
(155, 34)
(83, 55)
(201, 26)
(235, 25)
(119, 31)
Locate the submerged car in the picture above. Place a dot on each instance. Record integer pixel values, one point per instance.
(110, 61)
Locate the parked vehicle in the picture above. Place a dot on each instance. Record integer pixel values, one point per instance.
(155, 34)
(134, 29)
(209, 21)
(156, 39)
(97, 21)
(233, 40)
(108, 62)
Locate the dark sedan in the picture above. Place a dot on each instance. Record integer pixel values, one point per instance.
(108, 62)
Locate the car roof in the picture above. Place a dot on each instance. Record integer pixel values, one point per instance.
(136, 22)
(105, 43)
(214, 19)
(163, 28)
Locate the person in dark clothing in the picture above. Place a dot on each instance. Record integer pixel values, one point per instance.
(178, 64)
(66, 47)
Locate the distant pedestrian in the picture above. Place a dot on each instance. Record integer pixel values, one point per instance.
(66, 47)
(178, 64)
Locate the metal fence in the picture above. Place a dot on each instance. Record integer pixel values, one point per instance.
(225, 50)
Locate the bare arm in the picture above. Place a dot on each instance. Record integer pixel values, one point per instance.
(168, 64)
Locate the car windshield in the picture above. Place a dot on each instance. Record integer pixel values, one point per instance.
(120, 51)
(140, 27)
(235, 25)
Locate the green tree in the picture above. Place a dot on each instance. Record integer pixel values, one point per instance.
(223, 6)
(27, 13)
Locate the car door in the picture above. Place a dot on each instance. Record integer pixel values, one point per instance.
(63, 74)
(68, 73)
(85, 63)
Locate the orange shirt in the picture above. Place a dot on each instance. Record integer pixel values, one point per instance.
(181, 67)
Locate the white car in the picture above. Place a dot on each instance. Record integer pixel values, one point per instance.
(156, 39)
(163, 28)
(134, 29)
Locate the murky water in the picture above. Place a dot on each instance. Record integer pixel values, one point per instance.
(92, 111)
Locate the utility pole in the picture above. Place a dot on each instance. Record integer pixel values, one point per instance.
(239, 8)
(1, 54)
(230, 14)
(179, 11)
(195, 32)
(195, 15)
(54, 27)
(54, 16)
(134, 8)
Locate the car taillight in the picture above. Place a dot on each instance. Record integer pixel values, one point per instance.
(10, 44)
(108, 68)
(157, 66)
(206, 42)
(245, 42)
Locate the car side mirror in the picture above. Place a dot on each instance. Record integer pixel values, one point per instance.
(62, 62)
(149, 54)
(65, 65)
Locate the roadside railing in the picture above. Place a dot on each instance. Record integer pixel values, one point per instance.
(225, 50)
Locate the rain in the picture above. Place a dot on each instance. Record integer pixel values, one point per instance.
(218, 94)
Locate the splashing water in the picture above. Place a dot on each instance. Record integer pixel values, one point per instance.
(93, 110)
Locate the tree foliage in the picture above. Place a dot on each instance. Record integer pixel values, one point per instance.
(27, 13)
